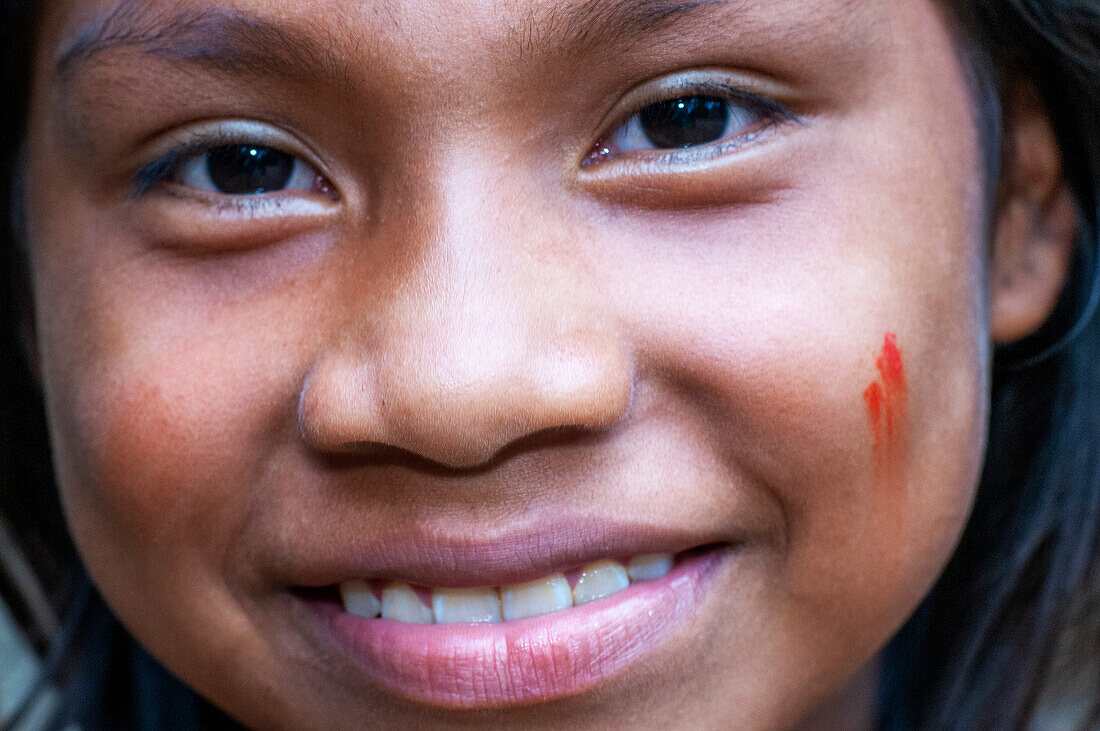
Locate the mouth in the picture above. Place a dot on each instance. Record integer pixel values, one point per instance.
(402, 602)
(510, 644)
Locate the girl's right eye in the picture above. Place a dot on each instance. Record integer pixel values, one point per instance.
(234, 159)
(246, 169)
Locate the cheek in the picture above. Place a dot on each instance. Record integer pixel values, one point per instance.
(162, 462)
(159, 438)
(837, 341)
(872, 505)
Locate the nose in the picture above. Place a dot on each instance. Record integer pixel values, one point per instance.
(485, 341)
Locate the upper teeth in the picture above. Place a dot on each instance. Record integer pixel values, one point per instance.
(597, 580)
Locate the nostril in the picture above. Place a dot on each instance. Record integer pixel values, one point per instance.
(457, 413)
(587, 385)
(338, 410)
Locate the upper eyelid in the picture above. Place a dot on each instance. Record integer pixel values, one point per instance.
(187, 144)
(772, 111)
(696, 82)
(701, 79)
(728, 92)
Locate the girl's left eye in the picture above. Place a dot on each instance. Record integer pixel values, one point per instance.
(678, 123)
(246, 169)
(688, 121)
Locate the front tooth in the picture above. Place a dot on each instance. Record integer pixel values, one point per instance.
(598, 580)
(647, 568)
(536, 597)
(465, 605)
(400, 602)
(359, 599)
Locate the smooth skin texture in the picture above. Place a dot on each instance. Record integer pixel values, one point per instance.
(466, 331)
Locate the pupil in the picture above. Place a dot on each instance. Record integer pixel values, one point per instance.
(685, 122)
(248, 169)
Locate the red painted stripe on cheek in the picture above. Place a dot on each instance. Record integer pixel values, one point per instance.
(887, 411)
(872, 396)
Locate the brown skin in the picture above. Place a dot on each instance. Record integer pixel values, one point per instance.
(219, 377)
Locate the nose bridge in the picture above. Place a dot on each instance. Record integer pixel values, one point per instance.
(460, 331)
(490, 337)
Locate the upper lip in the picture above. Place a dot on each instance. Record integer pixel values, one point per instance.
(430, 558)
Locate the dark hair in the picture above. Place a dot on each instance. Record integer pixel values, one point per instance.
(975, 652)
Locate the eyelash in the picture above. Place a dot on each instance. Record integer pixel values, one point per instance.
(771, 114)
(162, 168)
(173, 161)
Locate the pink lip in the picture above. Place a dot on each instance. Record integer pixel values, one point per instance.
(524, 661)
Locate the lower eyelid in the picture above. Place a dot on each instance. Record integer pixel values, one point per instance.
(648, 158)
(201, 224)
(760, 168)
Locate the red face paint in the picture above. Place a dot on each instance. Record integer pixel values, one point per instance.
(887, 411)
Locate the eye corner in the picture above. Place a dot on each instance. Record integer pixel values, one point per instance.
(596, 155)
(154, 174)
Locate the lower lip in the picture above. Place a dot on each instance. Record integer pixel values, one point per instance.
(530, 660)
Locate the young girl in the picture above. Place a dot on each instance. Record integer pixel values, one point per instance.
(602, 363)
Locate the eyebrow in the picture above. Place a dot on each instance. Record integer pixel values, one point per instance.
(220, 38)
(234, 42)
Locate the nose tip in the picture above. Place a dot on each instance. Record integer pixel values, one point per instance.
(461, 404)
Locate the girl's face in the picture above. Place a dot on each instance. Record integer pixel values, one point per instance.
(472, 293)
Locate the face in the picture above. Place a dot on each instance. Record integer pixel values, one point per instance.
(401, 299)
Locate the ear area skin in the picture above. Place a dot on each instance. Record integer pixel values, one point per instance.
(1036, 222)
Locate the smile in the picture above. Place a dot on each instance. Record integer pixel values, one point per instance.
(562, 590)
(518, 643)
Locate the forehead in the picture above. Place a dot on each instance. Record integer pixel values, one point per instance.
(333, 37)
